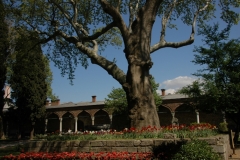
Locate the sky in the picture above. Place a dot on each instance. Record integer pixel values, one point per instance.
(172, 68)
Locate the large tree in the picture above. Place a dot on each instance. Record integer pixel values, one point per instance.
(28, 81)
(77, 29)
(4, 52)
(219, 87)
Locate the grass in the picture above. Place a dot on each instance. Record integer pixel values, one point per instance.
(14, 150)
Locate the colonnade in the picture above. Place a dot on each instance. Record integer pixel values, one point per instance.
(76, 123)
(175, 120)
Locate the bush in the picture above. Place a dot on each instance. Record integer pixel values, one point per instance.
(223, 127)
(196, 150)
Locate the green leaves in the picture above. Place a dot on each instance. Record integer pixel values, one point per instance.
(195, 150)
(28, 79)
(117, 100)
(219, 87)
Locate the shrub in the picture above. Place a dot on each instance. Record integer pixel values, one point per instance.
(196, 150)
(223, 127)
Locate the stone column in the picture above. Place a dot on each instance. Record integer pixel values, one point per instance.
(76, 119)
(60, 127)
(197, 113)
(224, 117)
(173, 116)
(110, 116)
(46, 123)
(92, 120)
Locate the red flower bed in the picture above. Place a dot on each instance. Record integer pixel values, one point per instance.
(80, 156)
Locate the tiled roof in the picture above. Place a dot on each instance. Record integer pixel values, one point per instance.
(174, 96)
(71, 104)
(79, 104)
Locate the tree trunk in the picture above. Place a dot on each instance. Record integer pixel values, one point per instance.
(32, 132)
(141, 105)
(2, 136)
(236, 136)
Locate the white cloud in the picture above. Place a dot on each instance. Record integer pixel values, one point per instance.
(175, 84)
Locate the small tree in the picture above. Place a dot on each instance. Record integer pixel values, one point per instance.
(28, 81)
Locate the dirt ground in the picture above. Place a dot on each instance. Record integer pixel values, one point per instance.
(235, 156)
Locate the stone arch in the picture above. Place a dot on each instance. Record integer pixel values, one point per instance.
(185, 114)
(101, 117)
(75, 113)
(165, 116)
(166, 106)
(109, 111)
(92, 112)
(60, 113)
(68, 122)
(85, 119)
(172, 106)
(53, 123)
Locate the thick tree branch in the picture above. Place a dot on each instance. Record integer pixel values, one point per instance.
(99, 33)
(107, 65)
(162, 43)
(110, 67)
(113, 12)
(165, 19)
(75, 11)
(119, 5)
(68, 38)
(132, 14)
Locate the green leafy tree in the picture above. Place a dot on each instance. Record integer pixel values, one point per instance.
(4, 52)
(78, 30)
(28, 81)
(219, 89)
(117, 99)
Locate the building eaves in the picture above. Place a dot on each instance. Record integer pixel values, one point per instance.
(70, 104)
(174, 96)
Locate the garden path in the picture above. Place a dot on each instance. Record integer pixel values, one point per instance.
(235, 156)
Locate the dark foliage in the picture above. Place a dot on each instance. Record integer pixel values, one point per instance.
(4, 45)
(28, 80)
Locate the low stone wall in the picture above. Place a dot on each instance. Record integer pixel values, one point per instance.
(220, 144)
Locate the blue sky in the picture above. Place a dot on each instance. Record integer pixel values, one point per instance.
(172, 68)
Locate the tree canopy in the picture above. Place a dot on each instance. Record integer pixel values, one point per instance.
(29, 83)
(76, 31)
(218, 88)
